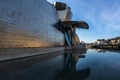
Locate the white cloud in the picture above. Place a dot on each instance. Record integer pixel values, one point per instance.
(103, 18)
(111, 19)
(51, 1)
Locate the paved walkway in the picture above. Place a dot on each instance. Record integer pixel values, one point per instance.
(8, 54)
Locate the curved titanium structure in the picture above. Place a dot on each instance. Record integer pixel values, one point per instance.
(67, 38)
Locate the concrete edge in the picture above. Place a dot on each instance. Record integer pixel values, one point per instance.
(10, 54)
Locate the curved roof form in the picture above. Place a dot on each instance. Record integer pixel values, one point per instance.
(78, 24)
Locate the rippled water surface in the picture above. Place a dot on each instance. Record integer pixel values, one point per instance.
(64, 65)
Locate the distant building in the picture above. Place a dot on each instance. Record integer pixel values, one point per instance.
(100, 41)
(115, 40)
(118, 41)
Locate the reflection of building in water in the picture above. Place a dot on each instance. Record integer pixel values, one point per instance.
(69, 71)
(100, 50)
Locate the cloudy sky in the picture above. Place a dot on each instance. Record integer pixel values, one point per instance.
(103, 17)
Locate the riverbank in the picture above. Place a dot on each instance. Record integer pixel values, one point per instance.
(108, 46)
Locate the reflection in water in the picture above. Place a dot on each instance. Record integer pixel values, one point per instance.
(103, 65)
(104, 50)
(100, 50)
(41, 67)
(65, 65)
(82, 75)
(69, 71)
(82, 56)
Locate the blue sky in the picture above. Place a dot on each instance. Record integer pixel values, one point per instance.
(103, 17)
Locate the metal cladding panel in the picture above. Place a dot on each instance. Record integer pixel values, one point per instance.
(28, 23)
